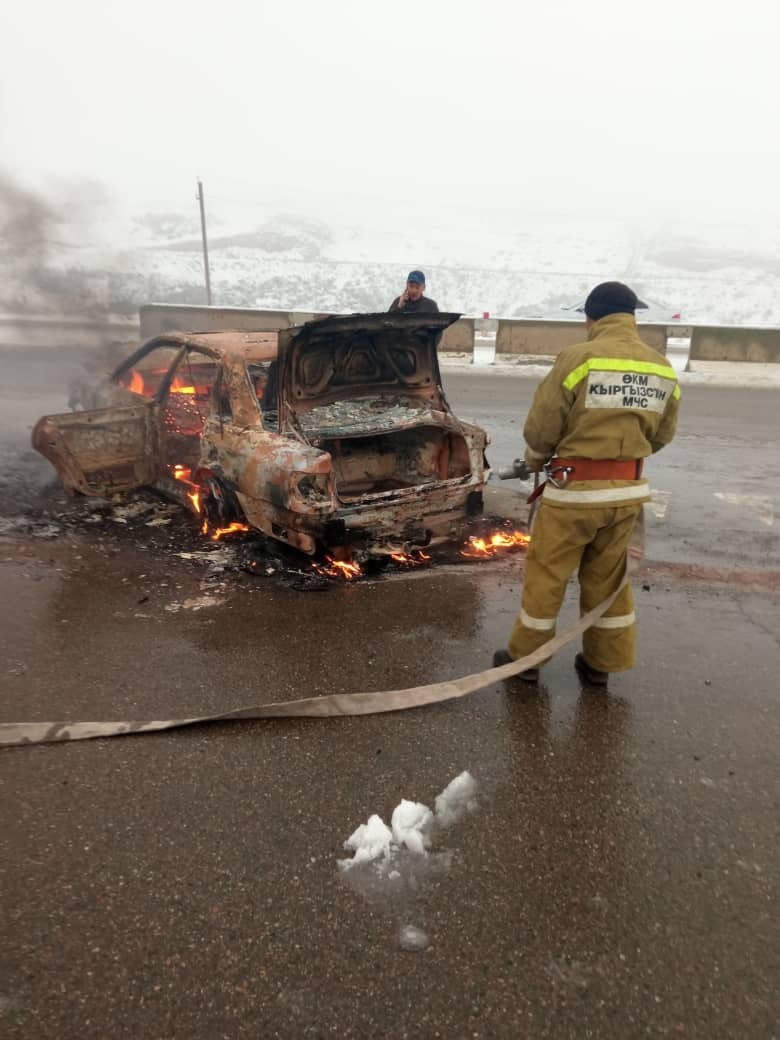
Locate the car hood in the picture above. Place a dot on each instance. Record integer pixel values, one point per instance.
(357, 356)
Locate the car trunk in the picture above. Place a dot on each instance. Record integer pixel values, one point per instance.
(367, 390)
(383, 463)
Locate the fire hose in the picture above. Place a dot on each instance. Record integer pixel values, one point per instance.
(340, 704)
(343, 704)
(373, 703)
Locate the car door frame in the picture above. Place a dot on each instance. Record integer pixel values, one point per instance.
(49, 435)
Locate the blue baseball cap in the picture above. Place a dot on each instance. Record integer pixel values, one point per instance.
(417, 277)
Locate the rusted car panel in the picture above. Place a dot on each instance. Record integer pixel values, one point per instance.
(102, 452)
(339, 434)
(335, 359)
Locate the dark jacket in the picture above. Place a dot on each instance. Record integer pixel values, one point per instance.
(425, 305)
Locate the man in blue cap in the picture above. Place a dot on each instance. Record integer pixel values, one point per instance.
(412, 300)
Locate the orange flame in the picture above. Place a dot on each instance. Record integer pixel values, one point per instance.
(220, 532)
(413, 559)
(492, 545)
(136, 385)
(338, 569)
(178, 386)
(183, 473)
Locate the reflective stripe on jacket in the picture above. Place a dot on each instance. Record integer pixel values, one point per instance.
(612, 397)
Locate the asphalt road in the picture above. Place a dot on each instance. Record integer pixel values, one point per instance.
(617, 878)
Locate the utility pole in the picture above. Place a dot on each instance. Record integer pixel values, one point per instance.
(200, 199)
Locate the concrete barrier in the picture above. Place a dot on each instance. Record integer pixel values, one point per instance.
(157, 318)
(548, 338)
(747, 345)
(458, 338)
(530, 336)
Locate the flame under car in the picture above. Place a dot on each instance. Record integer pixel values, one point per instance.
(332, 434)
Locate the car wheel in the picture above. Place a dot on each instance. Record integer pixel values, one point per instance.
(217, 499)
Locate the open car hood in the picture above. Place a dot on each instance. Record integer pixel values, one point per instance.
(360, 355)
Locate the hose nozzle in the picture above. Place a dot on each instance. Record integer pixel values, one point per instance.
(519, 470)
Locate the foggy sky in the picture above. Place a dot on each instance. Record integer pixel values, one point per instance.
(488, 109)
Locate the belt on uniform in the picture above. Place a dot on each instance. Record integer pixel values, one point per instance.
(594, 469)
(560, 471)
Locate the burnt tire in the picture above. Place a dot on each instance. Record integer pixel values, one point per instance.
(218, 500)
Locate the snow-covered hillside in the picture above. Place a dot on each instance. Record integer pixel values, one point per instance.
(525, 267)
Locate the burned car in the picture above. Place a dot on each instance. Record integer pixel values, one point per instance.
(336, 433)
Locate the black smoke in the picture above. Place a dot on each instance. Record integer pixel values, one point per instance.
(42, 238)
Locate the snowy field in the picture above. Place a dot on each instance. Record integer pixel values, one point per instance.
(539, 265)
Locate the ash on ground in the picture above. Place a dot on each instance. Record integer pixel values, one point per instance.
(155, 524)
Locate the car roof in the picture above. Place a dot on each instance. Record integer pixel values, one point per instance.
(246, 346)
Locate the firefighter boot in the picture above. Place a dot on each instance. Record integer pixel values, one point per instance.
(530, 675)
(589, 676)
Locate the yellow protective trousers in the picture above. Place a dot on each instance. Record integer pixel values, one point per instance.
(594, 539)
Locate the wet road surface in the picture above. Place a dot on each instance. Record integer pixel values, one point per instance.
(617, 879)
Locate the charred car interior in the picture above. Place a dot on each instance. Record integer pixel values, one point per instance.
(332, 434)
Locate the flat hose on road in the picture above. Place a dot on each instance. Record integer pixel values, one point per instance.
(15, 733)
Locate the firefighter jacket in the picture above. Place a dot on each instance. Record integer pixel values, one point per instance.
(612, 397)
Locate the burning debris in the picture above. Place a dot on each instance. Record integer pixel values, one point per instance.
(221, 532)
(166, 526)
(332, 568)
(195, 497)
(479, 548)
(413, 559)
(187, 531)
(349, 569)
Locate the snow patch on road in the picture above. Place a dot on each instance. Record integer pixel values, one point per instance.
(411, 824)
(412, 827)
(370, 841)
(390, 866)
(458, 798)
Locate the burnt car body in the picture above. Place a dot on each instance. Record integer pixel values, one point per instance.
(332, 433)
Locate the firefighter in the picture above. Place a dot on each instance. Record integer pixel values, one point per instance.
(604, 407)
